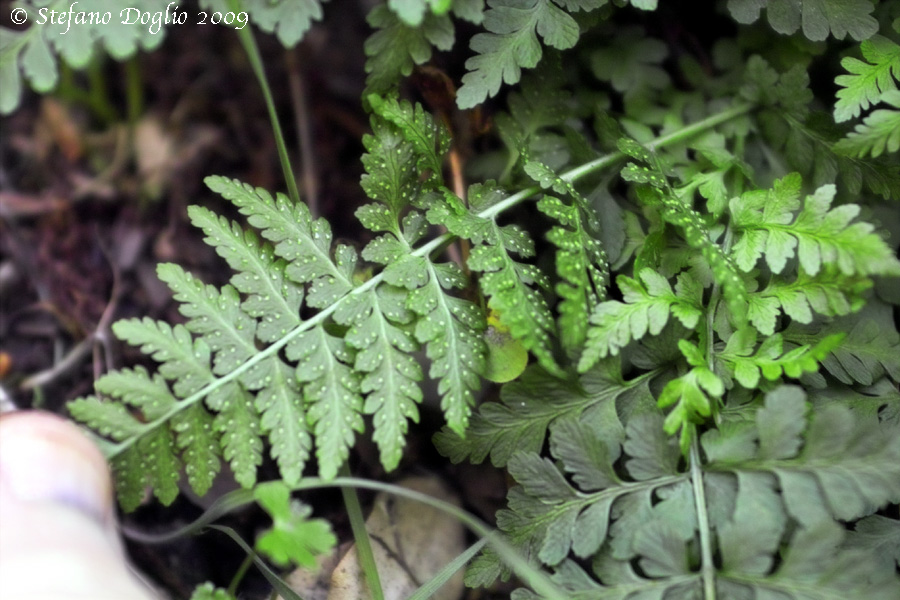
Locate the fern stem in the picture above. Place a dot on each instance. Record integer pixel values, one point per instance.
(707, 566)
(683, 134)
(252, 50)
(114, 450)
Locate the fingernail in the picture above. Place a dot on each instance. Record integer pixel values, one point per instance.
(44, 458)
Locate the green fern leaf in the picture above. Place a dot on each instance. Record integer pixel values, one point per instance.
(535, 123)
(283, 418)
(391, 372)
(581, 262)
(856, 464)
(548, 517)
(395, 48)
(829, 293)
(868, 81)
(449, 326)
(878, 132)
(153, 458)
(184, 361)
(288, 20)
(512, 287)
(272, 299)
(878, 533)
(520, 307)
(869, 350)
(332, 391)
(740, 361)
(299, 239)
(691, 396)
(530, 404)
(430, 139)
(817, 18)
(632, 65)
(213, 315)
(511, 44)
(654, 190)
(818, 234)
(807, 138)
(648, 302)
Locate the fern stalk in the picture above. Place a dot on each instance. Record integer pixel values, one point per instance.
(707, 566)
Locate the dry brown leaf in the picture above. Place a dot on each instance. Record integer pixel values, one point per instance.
(411, 542)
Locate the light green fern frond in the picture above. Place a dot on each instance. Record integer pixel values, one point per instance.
(765, 224)
(647, 304)
(868, 81)
(879, 131)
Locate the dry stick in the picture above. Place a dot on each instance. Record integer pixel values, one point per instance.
(304, 133)
(458, 254)
(99, 338)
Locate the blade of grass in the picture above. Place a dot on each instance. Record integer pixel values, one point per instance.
(361, 536)
(432, 586)
(252, 50)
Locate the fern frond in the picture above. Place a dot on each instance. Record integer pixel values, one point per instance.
(548, 517)
(271, 298)
(765, 225)
(154, 459)
(215, 316)
(331, 389)
(391, 374)
(878, 132)
(513, 287)
(692, 396)
(449, 326)
(828, 293)
(532, 403)
(511, 43)
(655, 191)
(639, 524)
(868, 81)
(395, 47)
(299, 239)
(581, 261)
(648, 302)
(430, 139)
(855, 463)
(451, 329)
(739, 360)
(869, 350)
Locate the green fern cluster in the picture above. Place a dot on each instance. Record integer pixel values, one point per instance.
(712, 405)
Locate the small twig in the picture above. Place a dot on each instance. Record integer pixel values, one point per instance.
(69, 362)
(458, 252)
(101, 331)
(97, 340)
(304, 132)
